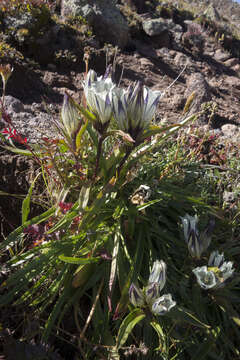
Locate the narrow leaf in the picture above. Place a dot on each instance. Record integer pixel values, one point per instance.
(78, 261)
(127, 325)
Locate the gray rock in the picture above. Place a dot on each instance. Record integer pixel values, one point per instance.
(221, 55)
(230, 130)
(13, 105)
(103, 15)
(34, 127)
(197, 84)
(231, 62)
(154, 27)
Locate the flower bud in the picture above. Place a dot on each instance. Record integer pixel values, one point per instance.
(70, 116)
(136, 295)
(158, 274)
(197, 243)
(152, 292)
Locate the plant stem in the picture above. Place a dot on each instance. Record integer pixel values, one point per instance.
(99, 150)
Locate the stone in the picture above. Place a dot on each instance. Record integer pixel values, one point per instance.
(154, 27)
(231, 62)
(197, 84)
(221, 55)
(13, 105)
(34, 127)
(230, 130)
(233, 81)
(108, 23)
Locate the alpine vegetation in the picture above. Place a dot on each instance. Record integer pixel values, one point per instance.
(84, 255)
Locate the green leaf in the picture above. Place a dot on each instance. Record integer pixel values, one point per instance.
(181, 314)
(157, 327)
(78, 261)
(127, 325)
(26, 201)
(80, 134)
(153, 130)
(84, 197)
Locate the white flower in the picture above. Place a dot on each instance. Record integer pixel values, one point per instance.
(217, 272)
(163, 304)
(197, 243)
(136, 295)
(205, 278)
(70, 116)
(134, 108)
(158, 273)
(152, 292)
(98, 93)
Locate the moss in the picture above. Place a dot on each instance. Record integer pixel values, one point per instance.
(133, 19)
(8, 54)
(80, 24)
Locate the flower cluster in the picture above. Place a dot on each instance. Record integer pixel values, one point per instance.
(150, 295)
(132, 109)
(218, 271)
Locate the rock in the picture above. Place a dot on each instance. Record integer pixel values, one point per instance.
(154, 27)
(212, 13)
(221, 55)
(231, 62)
(34, 127)
(103, 15)
(230, 130)
(233, 81)
(197, 84)
(181, 59)
(13, 105)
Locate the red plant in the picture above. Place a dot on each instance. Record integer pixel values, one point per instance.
(12, 133)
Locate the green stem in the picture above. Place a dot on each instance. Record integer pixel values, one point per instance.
(122, 162)
(99, 150)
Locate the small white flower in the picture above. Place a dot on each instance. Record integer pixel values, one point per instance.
(70, 116)
(216, 259)
(152, 292)
(136, 295)
(205, 278)
(158, 273)
(98, 93)
(197, 243)
(163, 304)
(134, 108)
(217, 272)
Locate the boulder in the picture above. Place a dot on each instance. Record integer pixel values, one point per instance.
(197, 84)
(108, 23)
